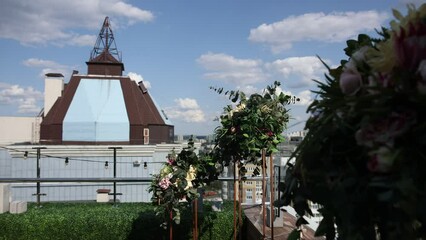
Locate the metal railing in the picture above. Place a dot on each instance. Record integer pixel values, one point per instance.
(38, 181)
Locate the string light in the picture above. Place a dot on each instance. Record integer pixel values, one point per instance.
(145, 165)
(67, 160)
(106, 165)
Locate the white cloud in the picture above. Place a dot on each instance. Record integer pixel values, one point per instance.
(333, 27)
(55, 22)
(83, 40)
(298, 71)
(36, 62)
(28, 105)
(133, 14)
(229, 69)
(187, 103)
(137, 78)
(293, 72)
(48, 66)
(189, 115)
(248, 89)
(26, 99)
(187, 110)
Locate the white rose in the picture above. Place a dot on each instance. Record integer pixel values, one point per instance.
(350, 82)
(359, 55)
(421, 85)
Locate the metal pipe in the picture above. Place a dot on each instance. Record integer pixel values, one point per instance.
(127, 179)
(235, 201)
(240, 198)
(272, 196)
(38, 194)
(35, 180)
(264, 191)
(115, 170)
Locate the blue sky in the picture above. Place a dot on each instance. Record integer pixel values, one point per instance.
(180, 48)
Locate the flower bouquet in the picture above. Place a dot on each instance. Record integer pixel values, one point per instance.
(364, 157)
(178, 180)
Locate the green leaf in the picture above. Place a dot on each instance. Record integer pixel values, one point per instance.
(397, 14)
(294, 235)
(322, 228)
(300, 221)
(235, 97)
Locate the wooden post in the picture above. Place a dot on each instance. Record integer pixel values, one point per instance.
(264, 191)
(171, 225)
(240, 197)
(195, 205)
(235, 201)
(272, 196)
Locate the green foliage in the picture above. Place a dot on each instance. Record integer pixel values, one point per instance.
(364, 157)
(254, 124)
(76, 221)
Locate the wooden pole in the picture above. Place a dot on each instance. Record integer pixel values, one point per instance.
(195, 237)
(264, 191)
(171, 225)
(235, 201)
(271, 176)
(240, 198)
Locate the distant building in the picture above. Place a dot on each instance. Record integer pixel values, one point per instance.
(102, 106)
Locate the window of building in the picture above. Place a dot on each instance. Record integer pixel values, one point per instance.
(146, 136)
(249, 194)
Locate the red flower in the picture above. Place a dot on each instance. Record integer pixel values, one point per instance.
(410, 45)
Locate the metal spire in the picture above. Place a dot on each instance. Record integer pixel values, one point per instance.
(105, 44)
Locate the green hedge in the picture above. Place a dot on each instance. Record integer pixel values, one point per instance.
(104, 221)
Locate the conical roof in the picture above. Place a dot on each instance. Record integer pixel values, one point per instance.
(105, 59)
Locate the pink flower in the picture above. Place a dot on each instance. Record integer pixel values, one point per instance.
(384, 131)
(171, 161)
(165, 182)
(381, 160)
(350, 82)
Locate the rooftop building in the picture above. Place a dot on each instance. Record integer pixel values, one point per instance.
(102, 106)
(81, 122)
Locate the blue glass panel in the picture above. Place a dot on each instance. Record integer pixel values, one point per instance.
(97, 113)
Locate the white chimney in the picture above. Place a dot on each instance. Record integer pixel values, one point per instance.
(53, 86)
